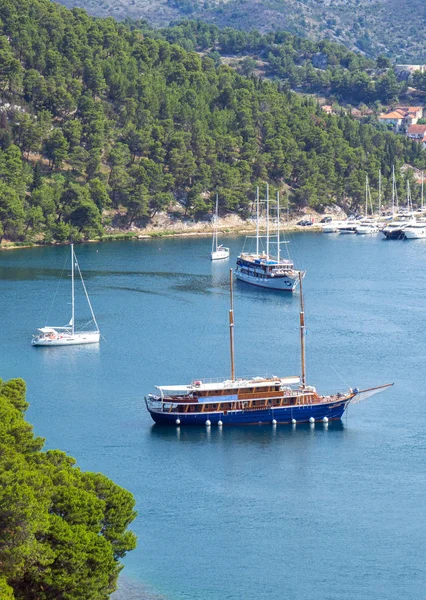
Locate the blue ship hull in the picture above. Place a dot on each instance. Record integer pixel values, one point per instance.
(284, 414)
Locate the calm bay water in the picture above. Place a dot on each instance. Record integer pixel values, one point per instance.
(326, 513)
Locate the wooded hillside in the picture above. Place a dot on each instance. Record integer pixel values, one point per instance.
(391, 27)
(95, 116)
(323, 68)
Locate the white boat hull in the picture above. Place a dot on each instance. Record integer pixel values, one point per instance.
(220, 254)
(287, 284)
(67, 340)
(367, 230)
(415, 235)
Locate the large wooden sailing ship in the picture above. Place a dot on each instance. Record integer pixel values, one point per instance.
(254, 400)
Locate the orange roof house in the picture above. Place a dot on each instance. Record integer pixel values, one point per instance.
(416, 132)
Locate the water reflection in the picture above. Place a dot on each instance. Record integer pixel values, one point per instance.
(253, 292)
(128, 589)
(55, 356)
(261, 434)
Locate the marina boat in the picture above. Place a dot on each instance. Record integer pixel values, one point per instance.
(262, 269)
(368, 225)
(395, 230)
(331, 227)
(348, 227)
(67, 335)
(253, 400)
(415, 231)
(218, 251)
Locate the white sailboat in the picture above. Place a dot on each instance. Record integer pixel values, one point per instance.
(67, 335)
(400, 221)
(367, 225)
(218, 251)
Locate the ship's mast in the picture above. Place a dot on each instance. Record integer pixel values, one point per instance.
(366, 196)
(396, 192)
(393, 190)
(409, 203)
(72, 289)
(302, 333)
(214, 248)
(267, 221)
(380, 190)
(257, 221)
(278, 227)
(231, 326)
(422, 194)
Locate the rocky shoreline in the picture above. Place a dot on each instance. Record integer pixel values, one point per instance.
(165, 226)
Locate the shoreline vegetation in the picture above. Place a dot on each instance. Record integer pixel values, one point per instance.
(231, 225)
(102, 126)
(64, 531)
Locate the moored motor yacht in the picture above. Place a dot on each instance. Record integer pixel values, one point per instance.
(395, 230)
(415, 231)
(349, 226)
(330, 227)
(367, 226)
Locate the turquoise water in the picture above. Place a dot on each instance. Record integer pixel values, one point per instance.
(325, 513)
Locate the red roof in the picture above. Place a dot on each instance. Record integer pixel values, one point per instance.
(416, 130)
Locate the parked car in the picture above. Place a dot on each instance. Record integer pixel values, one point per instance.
(305, 222)
(326, 220)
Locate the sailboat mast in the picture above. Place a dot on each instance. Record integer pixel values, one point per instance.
(366, 196)
(257, 221)
(421, 206)
(393, 190)
(72, 289)
(380, 190)
(215, 225)
(278, 227)
(267, 221)
(302, 333)
(408, 196)
(231, 326)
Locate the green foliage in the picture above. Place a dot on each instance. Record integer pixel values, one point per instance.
(315, 67)
(128, 122)
(375, 28)
(62, 531)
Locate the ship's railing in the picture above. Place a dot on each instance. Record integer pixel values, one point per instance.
(240, 379)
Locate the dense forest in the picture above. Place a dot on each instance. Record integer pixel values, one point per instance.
(97, 118)
(322, 67)
(394, 28)
(62, 531)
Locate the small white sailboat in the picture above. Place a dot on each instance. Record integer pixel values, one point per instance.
(417, 230)
(400, 221)
(218, 251)
(368, 225)
(67, 335)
